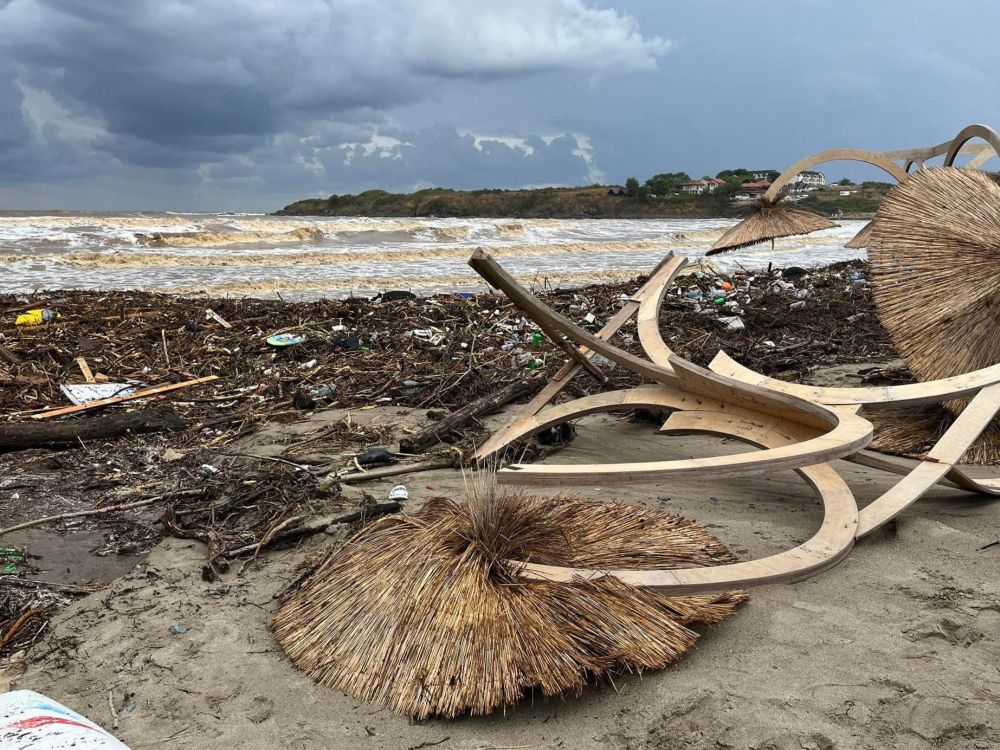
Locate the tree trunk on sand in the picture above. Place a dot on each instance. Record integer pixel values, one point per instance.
(16, 436)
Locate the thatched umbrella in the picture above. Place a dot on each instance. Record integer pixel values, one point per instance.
(768, 221)
(861, 239)
(935, 254)
(423, 614)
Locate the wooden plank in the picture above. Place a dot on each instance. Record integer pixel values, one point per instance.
(88, 376)
(696, 378)
(662, 275)
(217, 318)
(850, 434)
(121, 399)
(648, 320)
(937, 464)
(911, 394)
(828, 546)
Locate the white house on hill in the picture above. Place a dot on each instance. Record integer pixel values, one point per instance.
(808, 180)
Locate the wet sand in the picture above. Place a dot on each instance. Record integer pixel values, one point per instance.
(897, 647)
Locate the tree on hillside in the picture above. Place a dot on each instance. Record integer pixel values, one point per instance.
(666, 182)
(845, 181)
(734, 175)
(631, 187)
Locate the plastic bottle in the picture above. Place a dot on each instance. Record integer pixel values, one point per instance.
(536, 340)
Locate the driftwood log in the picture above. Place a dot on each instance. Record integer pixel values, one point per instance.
(23, 435)
(436, 432)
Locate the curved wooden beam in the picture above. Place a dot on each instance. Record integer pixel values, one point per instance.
(929, 152)
(848, 436)
(654, 287)
(839, 154)
(677, 371)
(831, 543)
(967, 133)
(911, 394)
(936, 465)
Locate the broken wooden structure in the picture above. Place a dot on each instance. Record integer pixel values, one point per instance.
(796, 427)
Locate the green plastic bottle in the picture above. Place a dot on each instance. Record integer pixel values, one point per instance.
(536, 340)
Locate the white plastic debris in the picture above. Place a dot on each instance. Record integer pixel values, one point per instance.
(732, 322)
(30, 720)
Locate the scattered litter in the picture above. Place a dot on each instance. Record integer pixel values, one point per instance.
(349, 344)
(37, 317)
(376, 457)
(399, 493)
(211, 314)
(86, 393)
(179, 628)
(286, 339)
(395, 294)
(733, 323)
(30, 720)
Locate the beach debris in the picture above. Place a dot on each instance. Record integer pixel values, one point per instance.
(375, 457)
(348, 344)
(178, 628)
(12, 558)
(394, 296)
(441, 431)
(154, 391)
(22, 435)
(37, 317)
(85, 370)
(282, 340)
(733, 323)
(399, 493)
(32, 721)
(211, 314)
(87, 393)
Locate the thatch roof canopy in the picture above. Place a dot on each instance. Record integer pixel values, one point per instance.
(935, 253)
(423, 615)
(861, 239)
(768, 222)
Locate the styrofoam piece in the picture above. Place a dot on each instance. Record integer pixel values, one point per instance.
(32, 720)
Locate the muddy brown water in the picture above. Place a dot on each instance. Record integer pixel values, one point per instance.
(68, 558)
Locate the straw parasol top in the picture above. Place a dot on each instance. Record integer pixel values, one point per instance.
(860, 240)
(767, 222)
(421, 614)
(935, 253)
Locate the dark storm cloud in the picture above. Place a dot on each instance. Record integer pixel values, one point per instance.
(252, 103)
(202, 86)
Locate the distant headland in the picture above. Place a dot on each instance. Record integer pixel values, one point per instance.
(665, 195)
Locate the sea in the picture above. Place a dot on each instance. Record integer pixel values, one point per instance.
(298, 258)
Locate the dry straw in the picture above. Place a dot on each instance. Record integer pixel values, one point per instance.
(860, 240)
(768, 221)
(935, 255)
(425, 615)
(935, 250)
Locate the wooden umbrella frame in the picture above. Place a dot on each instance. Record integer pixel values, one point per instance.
(796, 427)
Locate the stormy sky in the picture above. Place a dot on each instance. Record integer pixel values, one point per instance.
(249, 104)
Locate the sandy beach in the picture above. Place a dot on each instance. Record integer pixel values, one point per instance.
(895, 648)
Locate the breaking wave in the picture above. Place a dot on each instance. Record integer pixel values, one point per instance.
(133, 259)
(211, 239)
